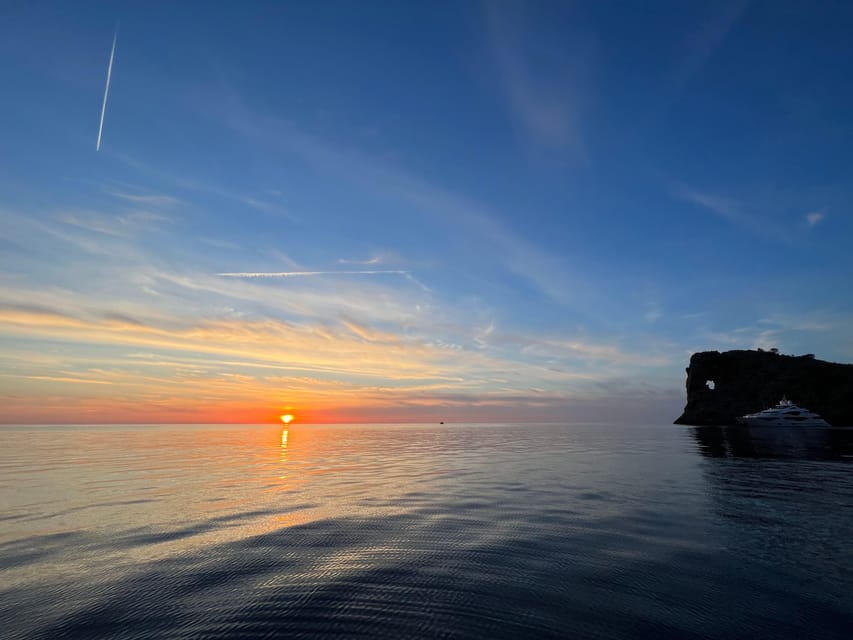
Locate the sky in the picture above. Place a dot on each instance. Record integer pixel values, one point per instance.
(413, 212)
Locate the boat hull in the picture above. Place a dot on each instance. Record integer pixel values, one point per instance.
(784, 414)
(756, 421)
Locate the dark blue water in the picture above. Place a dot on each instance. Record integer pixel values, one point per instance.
(420, 531)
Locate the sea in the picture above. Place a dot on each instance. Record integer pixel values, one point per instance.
(425, 531)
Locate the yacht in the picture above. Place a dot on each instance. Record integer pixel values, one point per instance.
(784, 414)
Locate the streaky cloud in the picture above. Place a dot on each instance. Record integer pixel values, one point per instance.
(373, 260)
(731, 210)
(545, 270)
(145, 199)
(408, 276)
(107, 90)
(814, 218)
(296, 274)
(542, 84)
(203, 188)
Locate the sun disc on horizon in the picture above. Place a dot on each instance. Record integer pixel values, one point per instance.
(287, 418)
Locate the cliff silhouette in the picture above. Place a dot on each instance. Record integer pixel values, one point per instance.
(724, 385)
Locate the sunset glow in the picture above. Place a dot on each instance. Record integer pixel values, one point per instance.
(474, 232)
(287, 418)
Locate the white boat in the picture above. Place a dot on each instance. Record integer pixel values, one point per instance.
(784, 414)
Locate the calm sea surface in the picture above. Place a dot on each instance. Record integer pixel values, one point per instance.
(453, 531)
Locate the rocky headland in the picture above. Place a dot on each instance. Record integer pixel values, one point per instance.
(724, 385)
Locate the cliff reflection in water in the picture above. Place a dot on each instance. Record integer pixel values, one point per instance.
(775, 442)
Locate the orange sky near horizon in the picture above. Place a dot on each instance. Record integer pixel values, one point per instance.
(399, 232)
(111, 368)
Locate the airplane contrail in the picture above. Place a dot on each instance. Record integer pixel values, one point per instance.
(107, 90)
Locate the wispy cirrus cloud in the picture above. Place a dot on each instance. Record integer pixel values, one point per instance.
(725, 207)
(791, 331)
(199, 187)
(75, 231)
(814, 217)
(731, 210)
(705, 40)
(71, 379)
(300, 274)
(147, 199)
(126, 274)
(653, 312)
(219, 243)
(315, 347)
(572, 350)
(116, 225)
(549, 273)
(347, 349)
(542, 83)
(321, 362)
(369, 261)
(297, 274)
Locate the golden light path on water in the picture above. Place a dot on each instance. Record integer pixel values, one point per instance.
(283, 446)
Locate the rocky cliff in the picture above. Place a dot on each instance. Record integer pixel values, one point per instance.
(723, 386)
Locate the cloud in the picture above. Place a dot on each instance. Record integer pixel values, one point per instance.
(724, 207)
(730, 210)
(322, 362)
(322, 298)
(408, 276)
(792, 332)
(814, 217)
(653, 312)
(296, 274)
(218, 243)
(318, 344)
(260, 205)
(703, 42)
(205, 189)
(116, 225)
(541, 83)
(346, 361)
(496, 242)
(570, 351)
(70, 379)
(339, 349)
(373, 260)
(814, 321)
(152, 200)
(126, 274)
(558, 348)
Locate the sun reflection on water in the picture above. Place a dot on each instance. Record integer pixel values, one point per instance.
(283, 446)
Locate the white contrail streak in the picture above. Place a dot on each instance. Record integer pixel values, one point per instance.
(107, 90)
(293, 274)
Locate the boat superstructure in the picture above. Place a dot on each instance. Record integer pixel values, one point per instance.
(784, 414)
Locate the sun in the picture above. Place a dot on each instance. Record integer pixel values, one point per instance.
(287, 418)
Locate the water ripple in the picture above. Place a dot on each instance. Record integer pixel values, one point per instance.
(415, 531)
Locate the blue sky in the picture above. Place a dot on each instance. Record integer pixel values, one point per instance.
(520, 211)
